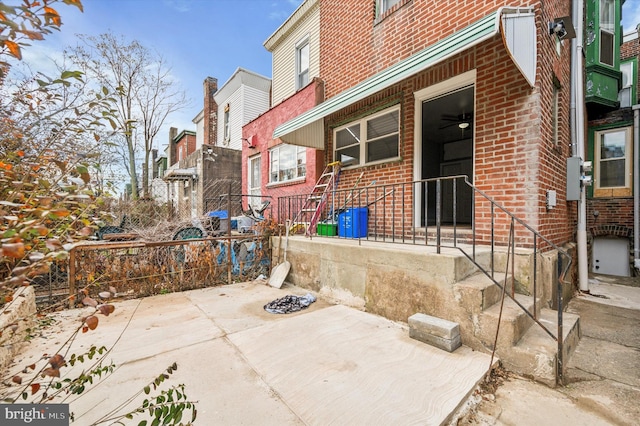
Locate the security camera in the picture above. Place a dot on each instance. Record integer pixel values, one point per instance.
(562, 28)
(558, 29)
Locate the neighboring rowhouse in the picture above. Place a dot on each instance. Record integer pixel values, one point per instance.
(205, 166)
(613, 108)
(270, 167)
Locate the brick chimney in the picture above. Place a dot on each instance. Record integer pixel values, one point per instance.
(210, 115)
(172, 157)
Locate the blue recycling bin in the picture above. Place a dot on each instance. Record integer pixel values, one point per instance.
(352, 223)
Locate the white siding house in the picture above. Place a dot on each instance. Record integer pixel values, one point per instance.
(295, 50)
(242, 98)
(199, 122)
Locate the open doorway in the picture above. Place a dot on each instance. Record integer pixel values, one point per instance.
(447, 150)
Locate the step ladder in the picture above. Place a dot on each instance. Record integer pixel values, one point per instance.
(317, 200)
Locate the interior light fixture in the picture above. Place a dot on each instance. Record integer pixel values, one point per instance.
(463, 125)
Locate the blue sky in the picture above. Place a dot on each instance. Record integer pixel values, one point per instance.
(199, 38)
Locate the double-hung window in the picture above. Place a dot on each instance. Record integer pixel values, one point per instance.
(626, 96)
(287, 162)
(302, 63)
(607, 31)
(373, 139)
(613, 161)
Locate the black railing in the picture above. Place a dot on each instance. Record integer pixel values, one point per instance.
(445, 212)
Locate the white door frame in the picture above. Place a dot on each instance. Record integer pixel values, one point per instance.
(420, 96)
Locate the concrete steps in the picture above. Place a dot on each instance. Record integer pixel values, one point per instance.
(535, 354)
(522, 345)
(477, 293)
(514, 322)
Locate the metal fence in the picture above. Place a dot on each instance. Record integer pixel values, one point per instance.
(131, 269)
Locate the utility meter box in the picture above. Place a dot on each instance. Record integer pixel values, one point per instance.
(573, 178)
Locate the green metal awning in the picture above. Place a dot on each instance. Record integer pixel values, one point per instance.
(307, 129)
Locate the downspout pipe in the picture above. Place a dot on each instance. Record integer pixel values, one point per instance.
(578, 137)
(636, 186)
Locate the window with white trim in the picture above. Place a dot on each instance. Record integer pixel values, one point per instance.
(226, 135)
(625, 96)
(302, 63)
(607, 31)
(384, 5)
(287, 162)
(613, 161)
(372, 139)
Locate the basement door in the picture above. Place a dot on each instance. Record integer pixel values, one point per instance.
(446, 149)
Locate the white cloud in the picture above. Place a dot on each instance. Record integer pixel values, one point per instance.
(630, 15)
(179, 5)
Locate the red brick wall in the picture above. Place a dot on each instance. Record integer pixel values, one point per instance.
(516, 160)
(260, 131)
(186, 142)
(210, 111)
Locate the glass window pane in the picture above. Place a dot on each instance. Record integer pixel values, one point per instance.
(606, 48)
(383, 148)
(302, 162)
(383, 125)
(607, 15)
(273, 167)
(349, 156)
(387, 4)
(612, 145)
(348, 136)
(287, 162)
(304, 58)
(612, 173)
(626, 68)
(255, 173)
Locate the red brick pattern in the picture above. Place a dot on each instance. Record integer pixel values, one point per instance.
(516, 160)
(260, 132)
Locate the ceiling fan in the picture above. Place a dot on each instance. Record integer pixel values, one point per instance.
(463, 120)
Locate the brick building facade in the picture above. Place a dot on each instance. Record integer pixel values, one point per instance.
(517, 144)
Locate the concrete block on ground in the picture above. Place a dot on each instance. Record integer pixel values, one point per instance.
(434, 331)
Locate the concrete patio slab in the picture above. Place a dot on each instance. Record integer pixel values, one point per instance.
(328, 364)
(342, 366)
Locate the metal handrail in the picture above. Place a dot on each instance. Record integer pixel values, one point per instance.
(389, 216)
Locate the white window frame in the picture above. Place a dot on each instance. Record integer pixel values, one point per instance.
(254, 191)
(226, 135)
(276, 159)
(302, 74)
(613, 191)
(385, 5)
(628, 69)
(608, 29)
(363, 142)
